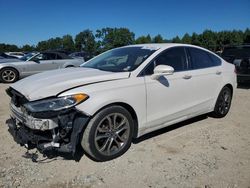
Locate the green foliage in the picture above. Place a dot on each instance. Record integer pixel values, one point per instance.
(176, 40)
(195, 39)
(55, 43)
(8, 48)
(186, 39)
(108, 38)
(158, 39)
(85, 41)
(27, 48)
(208, 39)
(51, 44)
(143, 39)
(68, 43)
(247, 36)
(42, 45)
(237, 37)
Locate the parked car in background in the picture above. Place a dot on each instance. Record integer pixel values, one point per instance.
(240, 57)
(7, 58)
(121, 94)
(81, 55)
(16, 54)
(27, 56)
(44, 61)
(4, 55)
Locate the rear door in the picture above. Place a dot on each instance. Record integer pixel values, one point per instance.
(206, 71)
(49, 62)
(59, 60)
(63, 61)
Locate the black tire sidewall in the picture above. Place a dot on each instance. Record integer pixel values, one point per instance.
(98, 117)
(216, 109)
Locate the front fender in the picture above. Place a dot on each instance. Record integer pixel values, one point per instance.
(128, 91)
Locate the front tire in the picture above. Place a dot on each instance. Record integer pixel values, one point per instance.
(8, 75)
(108, 134)
(223, 103)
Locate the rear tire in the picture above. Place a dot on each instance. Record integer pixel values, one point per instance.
(8, 75)
(223, 103)
(108, 135)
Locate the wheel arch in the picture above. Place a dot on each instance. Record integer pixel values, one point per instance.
(130, 109)
(69, 66)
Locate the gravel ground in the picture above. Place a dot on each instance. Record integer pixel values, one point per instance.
(203, 152)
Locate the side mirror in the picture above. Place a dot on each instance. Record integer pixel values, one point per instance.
(162, 70)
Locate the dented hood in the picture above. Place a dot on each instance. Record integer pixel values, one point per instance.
(51, 83)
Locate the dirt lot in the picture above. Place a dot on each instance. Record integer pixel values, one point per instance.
(202, 152)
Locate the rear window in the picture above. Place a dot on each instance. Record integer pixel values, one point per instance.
(215, 59)
(63, 56)
(202, 59)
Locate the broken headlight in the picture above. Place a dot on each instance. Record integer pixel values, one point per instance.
(56, 104)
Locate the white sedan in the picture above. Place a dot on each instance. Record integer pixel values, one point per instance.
(119, 95)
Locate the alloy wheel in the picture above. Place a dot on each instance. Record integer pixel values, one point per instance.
(8, 75)
(112, 134)
(224, 103)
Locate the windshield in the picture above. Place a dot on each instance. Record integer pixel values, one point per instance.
(27, 56)
(120, 59)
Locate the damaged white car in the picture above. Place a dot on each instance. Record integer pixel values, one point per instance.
(119, 95)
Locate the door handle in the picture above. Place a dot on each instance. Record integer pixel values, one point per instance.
(218, 72)
(187, 77)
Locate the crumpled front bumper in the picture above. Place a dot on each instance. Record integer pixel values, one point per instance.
(60, 139)
(32, 122)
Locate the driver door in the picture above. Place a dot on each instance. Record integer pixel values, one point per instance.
(169, 98)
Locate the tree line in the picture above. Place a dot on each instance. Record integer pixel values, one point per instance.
(108, 38)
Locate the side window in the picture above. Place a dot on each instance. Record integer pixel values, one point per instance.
(202, 59)
(50, 56)
(174, 57)
(58, 56)
(44, 56)
(38, 57)
(216, 60)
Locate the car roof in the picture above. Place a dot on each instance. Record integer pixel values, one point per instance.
(161, 45)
